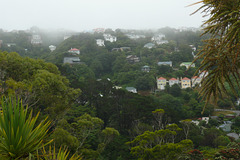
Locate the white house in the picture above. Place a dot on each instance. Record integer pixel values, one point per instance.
(159, 39)
(173, 81)
(36, 39)
(203, 74)
(109, 37)
(149, 45)
(195, 81)
(131, 89)
(100, 42)
(187, 64)
(52, 47)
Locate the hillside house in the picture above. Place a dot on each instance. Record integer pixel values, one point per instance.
(187, 64)
(226, 127)
(132, 59)
(149, 45)
(52, 48)
(203, 74)
(11, 44)
(110, 38)
(125, 48)
(135, 36)
(116, 49)
(159, 39)
(74, 51)
(71, 60)
(173, 81)
(36, 40)
(161, 83)
(185, 83)
(195, 81)
(66, 37)
(168, 63)
(131, 89)
(100, 42)
(145, 68)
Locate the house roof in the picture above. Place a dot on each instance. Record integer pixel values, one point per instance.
(145, 66)
(74, 49)
(167, 62)
(161, 78)
(149, 45)
(173, 79)
(185, 78)
(186, 63)
(130, 88)
(71, 60)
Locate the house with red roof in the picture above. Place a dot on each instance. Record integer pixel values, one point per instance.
(173, 81)
(74, 51)
(161, 83)
(195, 81)
(185, 83)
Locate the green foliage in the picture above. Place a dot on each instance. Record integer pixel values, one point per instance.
(62, 154)
(157, 145)
(36, 82)
(19, 134)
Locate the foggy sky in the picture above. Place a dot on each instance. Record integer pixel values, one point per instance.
(82, 15)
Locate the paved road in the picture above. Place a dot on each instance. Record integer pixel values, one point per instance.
(235, 111)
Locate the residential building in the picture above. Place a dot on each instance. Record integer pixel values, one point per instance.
(225, 127)
(74, 51)
(185, 83)
(233, 135)
(100, 42)
(149, 45)
(125, 48)
(66, 37)
(187, 64)
(135, 36)
(145, 68)
(116, 49)
(193, 48)
(206, 119)
(159, 39)
(161, 83)
(36, 39)
(52, 47)
(173, 81)
(110, 38)
(169, 63)
(71, 60)
(132, 59)
(203, 74)
(196, 81)
(11, 44)
(1, 41)
(131, 89)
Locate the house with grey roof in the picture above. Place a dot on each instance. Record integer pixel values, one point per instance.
(145, 68)
(169, 63)
(71, 60)
(131, 89)
(149, 45)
